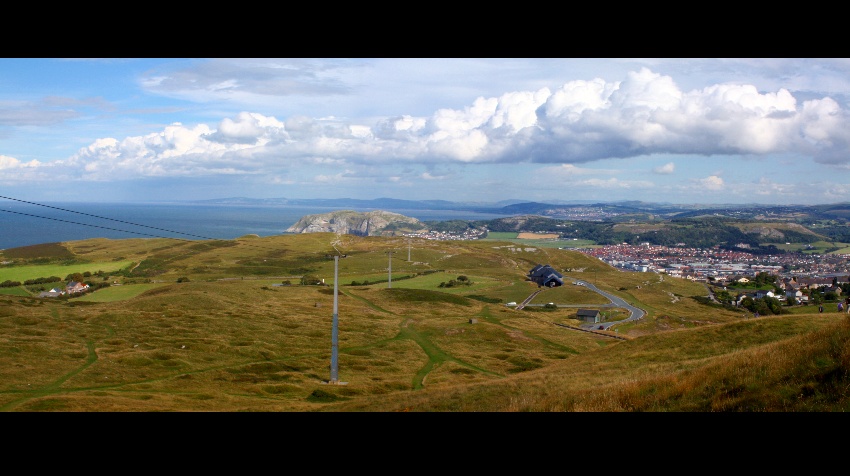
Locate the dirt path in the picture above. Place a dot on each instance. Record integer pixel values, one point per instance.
(528, 299)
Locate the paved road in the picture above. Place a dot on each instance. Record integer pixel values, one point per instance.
(711, 295)
(634, 312)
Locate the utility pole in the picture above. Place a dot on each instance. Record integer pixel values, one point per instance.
(335, 329)
(334, 380)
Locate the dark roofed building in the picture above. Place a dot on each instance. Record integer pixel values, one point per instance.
(74, 287)
(588, 315)
(545, 275)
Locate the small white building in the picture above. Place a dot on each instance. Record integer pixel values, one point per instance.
(761, 294)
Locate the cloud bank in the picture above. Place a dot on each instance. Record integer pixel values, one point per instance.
(581, 122)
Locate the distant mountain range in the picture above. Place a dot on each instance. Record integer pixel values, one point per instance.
(575, 210)
(377, 203)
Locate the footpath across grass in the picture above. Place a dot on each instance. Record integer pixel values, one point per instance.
(119, 293)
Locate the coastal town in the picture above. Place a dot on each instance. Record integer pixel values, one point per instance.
(716, 263)
(713, 264)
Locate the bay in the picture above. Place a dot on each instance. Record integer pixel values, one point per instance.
(24, 224)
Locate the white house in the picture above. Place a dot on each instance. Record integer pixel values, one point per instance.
(761, 293)
(794, 294)
(75, 287)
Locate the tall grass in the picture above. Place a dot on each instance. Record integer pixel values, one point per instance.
(230, 338)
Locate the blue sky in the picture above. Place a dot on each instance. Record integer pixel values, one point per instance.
(701, 130)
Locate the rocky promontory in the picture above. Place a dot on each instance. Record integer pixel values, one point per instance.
(350, 222)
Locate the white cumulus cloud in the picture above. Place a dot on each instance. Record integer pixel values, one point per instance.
(711, 183)
(582, 121)
(665, 169)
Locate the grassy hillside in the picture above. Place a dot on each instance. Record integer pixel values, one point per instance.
(233, 325)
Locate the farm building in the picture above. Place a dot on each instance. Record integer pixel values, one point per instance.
(588, 315)
(545, 275)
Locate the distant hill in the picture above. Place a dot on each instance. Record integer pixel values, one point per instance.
(627, 210)
(374, 223)
(756, 226)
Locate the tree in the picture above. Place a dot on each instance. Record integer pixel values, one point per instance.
(723, 296)
(761, 307)
(762, 278)
(773, 304)
(310, 280)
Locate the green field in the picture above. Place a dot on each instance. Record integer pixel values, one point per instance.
(501, 235)
(817, 247)
(432, 282)
(23, 273)
(14, 291)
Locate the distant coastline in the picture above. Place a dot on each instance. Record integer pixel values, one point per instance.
(28, 224)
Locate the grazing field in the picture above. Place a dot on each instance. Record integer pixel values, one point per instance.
(502, 235)
(242, 325)
(15, 291)
(817, 247)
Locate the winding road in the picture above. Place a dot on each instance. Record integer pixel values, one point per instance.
(635, 313)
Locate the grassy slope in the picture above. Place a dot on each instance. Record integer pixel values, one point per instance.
(24, 273)
(216, 343)
(118, 293)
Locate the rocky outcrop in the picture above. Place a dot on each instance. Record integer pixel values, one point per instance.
(374, 223)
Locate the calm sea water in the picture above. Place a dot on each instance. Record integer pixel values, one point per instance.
(23, 224)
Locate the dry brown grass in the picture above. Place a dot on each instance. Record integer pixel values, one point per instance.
(244, 344)
(537, 236)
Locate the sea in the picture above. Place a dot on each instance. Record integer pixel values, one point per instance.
(30, 223)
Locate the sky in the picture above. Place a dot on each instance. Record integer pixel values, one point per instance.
(555, 130)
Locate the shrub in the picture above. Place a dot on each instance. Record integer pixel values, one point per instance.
(456, 282)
